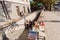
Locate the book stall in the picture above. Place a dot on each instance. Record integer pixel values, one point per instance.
(37, 32)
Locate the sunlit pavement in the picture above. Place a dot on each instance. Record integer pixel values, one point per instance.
(52, 28)
(56, 13)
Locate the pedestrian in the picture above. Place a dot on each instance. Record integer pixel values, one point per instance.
(20, 14)
(26, 24)
(42, 23)
(35, 27)
(30, 24)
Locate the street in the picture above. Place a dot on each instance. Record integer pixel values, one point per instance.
(52, 27)
(56, 13)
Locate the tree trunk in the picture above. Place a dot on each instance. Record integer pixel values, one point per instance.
(50, 7)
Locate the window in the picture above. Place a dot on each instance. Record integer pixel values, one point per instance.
(1, 11)
(28, 9)
(26, 0)
(18, 11)
(22, 0)
(8, 5)
(24, 9)
(4, 9)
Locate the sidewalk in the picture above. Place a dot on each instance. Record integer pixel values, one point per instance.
(16, 31)
(52, 26)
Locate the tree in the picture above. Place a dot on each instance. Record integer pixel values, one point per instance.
(46, 3)
(34, 6)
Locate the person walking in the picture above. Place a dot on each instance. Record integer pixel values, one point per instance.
(36, 27)
(20, 14)
(26, 24)
(30, 24)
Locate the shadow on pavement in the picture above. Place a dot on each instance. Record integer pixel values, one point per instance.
(24, 35)
(52, 21)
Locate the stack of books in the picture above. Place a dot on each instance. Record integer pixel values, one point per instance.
(32, 35)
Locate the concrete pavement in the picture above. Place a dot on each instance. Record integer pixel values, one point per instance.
(56, 13)
(52, 28)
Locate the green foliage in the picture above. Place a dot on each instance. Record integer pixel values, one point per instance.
(36, 3)
(47, 3)
(33, 4)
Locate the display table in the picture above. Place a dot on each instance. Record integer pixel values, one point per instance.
(40, 32)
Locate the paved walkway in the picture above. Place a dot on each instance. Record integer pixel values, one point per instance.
(52, 26)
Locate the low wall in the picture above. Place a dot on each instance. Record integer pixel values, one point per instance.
(37, 16)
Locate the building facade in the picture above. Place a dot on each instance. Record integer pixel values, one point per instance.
(15, 8)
